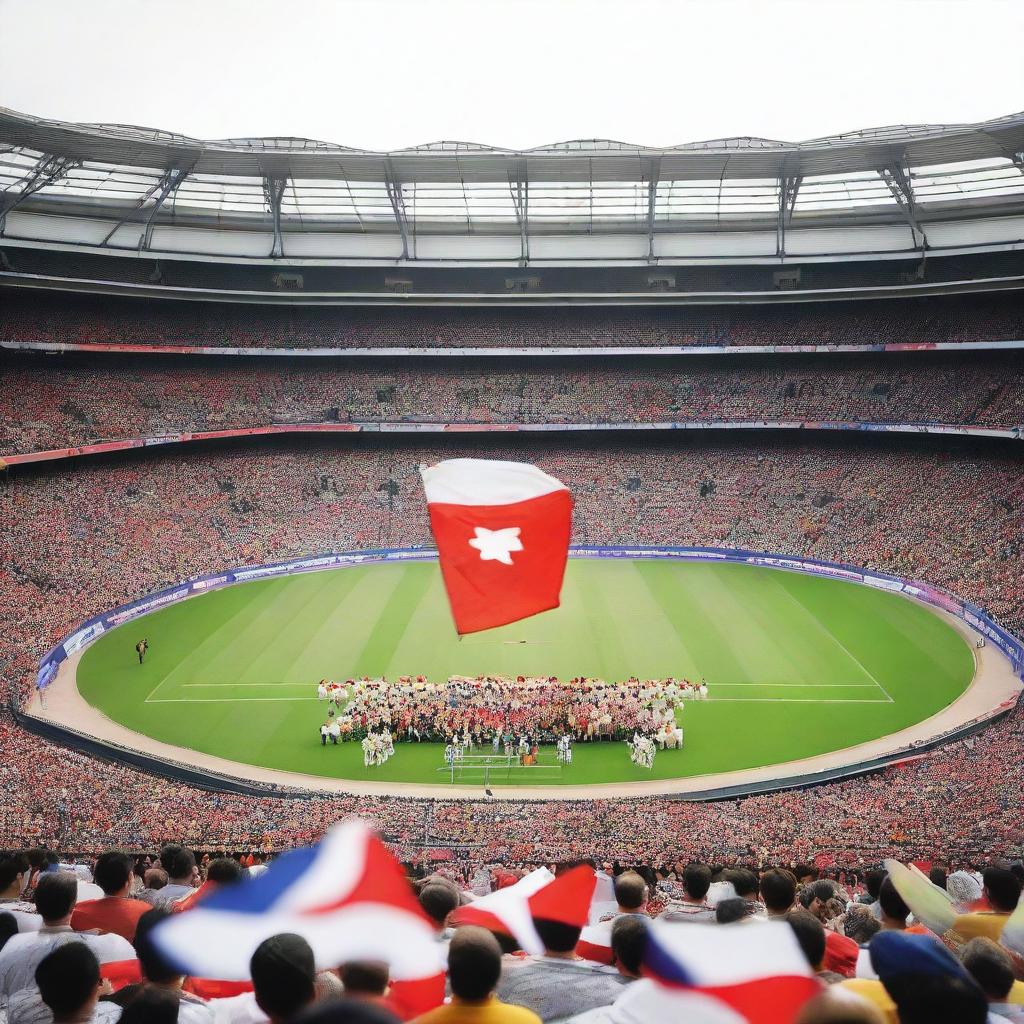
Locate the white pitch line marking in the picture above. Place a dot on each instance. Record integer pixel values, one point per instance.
(793, 700)
(217, 700)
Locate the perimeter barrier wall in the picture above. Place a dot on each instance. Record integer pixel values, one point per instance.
(92, 629)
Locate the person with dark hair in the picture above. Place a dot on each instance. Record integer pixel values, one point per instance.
(474, 970)
(55, 898)
(15, 871)
(693, 905)
(140, 649)
(937, 876)
(180, 866)
(345, 1011)
(8, 927)
(152, 1006)
(157, 972)
(219, 871)
(68, 984)
(560, 982)
(629, 939)
(438, 898)
(992, 969)
(365, 980)
(873, 880)
(810, 934)
(117, 912)
(1002, 890)
(778, 891)
(733, 911)
(894, 911)
(283, 976)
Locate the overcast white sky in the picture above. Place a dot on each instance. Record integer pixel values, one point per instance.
(383, 74)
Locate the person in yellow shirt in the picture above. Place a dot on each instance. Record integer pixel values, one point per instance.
(1002, 890)
(474, 969)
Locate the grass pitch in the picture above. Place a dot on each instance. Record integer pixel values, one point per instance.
(797, 665)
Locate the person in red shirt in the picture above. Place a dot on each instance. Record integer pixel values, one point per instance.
(116, 912)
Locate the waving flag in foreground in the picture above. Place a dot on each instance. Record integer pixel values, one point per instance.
(502, 533)
(539, 896)
(347, 897)
(756, 971)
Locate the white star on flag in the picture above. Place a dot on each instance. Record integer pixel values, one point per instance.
(496, 545)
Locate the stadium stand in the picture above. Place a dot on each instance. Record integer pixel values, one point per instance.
(77, 319)
(48, 404)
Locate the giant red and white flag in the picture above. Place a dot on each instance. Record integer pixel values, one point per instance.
(502, 533)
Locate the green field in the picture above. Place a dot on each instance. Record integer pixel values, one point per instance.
(797, 665)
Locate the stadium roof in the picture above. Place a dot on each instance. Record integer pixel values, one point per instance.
(122, 188)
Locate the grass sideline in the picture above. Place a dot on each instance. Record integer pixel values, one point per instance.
(797, 665)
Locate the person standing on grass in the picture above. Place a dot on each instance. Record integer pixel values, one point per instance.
(140, 649)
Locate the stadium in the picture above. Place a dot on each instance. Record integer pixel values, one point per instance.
(783, 383)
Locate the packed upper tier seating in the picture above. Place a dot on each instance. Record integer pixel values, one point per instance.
(68, 402)
(70, 319)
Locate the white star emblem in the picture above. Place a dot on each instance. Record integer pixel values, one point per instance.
(496, 545)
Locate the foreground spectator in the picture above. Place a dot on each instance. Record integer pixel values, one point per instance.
(116, 912)
(67, 989)
(55, 898)
(474, 970)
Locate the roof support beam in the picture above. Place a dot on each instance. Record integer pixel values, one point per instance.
(897, 177)
(160, 190)
(652, 197)
(789, 189)
(168, 186)
(48, 170)
(519, 187)
(394, 189)
(273, 191)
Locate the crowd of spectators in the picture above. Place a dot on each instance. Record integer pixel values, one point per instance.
(47, 403)
(89, 939)
(103, 532)
(72, 319)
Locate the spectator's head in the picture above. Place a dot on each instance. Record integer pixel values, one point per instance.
(56, 895)
(778, 890)
(69, 982)
(873, 880)
(991, 967)
(894, 911)
(1002, 888)
(629, 938)
(925, 981)
(8, 927)
(364, 979)
(810, 934)
(964, 888)
(113, 873)
(697, 881)
(557, 936)
(178, 862)
(744, 881)
(438, 900)
(14, 874)
(224, 871)
(155, 878)
(937, 876)
(152, 1006)
(154, 965)
(732, 910)
(861, 925)
(474, 964)
(838, 1005)
(283, 976)
(630, 892)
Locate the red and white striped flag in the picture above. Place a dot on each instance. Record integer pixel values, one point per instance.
(502, 532)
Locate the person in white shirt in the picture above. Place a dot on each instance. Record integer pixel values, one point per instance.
(56, 894)
(14, 875)
(66, 991)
